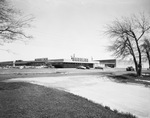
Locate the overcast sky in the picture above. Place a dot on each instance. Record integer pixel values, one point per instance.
(62, 28)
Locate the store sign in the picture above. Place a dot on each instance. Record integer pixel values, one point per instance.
(41, 59)
(79, 59)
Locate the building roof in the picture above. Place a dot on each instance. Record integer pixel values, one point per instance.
(69, 61)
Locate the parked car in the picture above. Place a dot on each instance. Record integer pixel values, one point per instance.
(99, 67)
(130, 68)
(87, 67)
(49, 66)
(81, 67)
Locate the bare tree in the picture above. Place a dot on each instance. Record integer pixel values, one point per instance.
(128, 34)
(12, 23)
(146, 49)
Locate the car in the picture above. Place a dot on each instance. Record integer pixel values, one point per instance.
(99, 67)
(87, 67)
(130, 68)
(49, 66)
(81, 67)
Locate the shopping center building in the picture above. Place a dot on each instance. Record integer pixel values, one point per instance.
(73, 62)
(57, 63)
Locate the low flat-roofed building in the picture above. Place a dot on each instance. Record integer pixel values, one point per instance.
(120, 63)
(57, 63)
(107, 63)
(71, 63)
(6, 63)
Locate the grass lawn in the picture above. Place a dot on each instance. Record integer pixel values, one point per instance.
(24, 100)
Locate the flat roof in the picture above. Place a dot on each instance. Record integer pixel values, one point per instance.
(106, 60)
(51, 60)
(69, 61)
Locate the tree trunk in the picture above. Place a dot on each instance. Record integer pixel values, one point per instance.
(134, 58)
(139, 70)
(136, 64)
(148, 57)
(139, 66)
(149, 63)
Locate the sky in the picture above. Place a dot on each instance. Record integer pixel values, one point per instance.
(62, 28)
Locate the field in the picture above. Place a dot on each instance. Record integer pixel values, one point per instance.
(25, 100)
